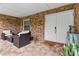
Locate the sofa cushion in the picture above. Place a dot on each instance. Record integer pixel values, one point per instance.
(8, 35)
(6, 32)
(23, 32)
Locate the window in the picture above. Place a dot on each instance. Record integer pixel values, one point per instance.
(26, 25)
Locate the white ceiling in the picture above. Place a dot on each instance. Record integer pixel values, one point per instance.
(25, 9)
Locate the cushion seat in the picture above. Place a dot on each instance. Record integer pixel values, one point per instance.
(7, 35)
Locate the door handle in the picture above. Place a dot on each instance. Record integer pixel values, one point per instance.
(55, 29)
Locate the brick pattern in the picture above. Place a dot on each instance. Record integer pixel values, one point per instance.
(9, 22)
(37, 26)
(76, 17)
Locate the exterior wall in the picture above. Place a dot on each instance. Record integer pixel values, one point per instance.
(37, 21)
(76, 14)
(8, 22)
(37, 26)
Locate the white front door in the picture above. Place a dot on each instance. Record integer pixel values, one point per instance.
(64, 19)
(50, 24)
(57, 26)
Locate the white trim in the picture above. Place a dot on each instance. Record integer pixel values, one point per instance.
(23, 22)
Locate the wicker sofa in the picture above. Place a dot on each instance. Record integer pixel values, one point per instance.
(19, 40)
(22, 39)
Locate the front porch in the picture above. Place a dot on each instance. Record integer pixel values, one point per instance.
(32, 49)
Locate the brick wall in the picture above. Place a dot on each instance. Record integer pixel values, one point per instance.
(9, 22)
(76, 17)
(37, 26)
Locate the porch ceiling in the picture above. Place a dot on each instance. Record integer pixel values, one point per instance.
(26, 9)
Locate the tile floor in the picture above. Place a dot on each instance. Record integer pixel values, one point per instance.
(32, 49)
